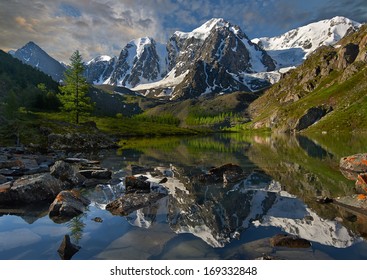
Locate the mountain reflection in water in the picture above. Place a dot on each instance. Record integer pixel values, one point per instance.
(283, 177)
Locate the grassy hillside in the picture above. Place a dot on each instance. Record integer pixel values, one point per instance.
(333, 77)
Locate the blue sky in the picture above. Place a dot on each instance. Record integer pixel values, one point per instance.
(105, 26)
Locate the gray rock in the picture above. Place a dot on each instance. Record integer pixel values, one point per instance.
(311, 116)
(30, 189)
(67, 173)
(67, 204)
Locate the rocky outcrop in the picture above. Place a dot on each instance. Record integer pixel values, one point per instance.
(79, 141)
(62, 175)
(30, 189)
(67, 204)
(67, 249)
(311, 116)
(355, 163)
(67, 173)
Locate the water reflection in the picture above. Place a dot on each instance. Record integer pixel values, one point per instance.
(282, 177)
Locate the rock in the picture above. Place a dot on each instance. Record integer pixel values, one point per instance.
(228, 173)
(82, 161)
(324, 200)
(11, 164)
(97, 219)
(136, 169)
(164, 180)
(356, 202)
(79, 141)
(136, 185)
(361, 183)
(67, 204)
(67, 249)
(96, 174)
(67, 173)
(355, 163)
(30, 189)
(289, 241)
(128, 203)
(311, 116)
(3, 179)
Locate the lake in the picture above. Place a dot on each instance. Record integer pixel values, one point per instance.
(284, 175)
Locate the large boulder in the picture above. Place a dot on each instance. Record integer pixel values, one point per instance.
(67, 204)
(128, 203)
(30, 189)
(67, 173)
(355, 163)
(311, 116)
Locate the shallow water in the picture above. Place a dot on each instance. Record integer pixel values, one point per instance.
(208, 221)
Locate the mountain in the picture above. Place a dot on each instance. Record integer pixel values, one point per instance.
(33, 55)
(326, 93)
(291, 48)
(141, 61)
(99, 69)
(215, 57)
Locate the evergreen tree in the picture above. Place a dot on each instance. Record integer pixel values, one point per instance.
(74, 99)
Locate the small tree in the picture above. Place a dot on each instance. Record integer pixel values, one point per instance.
(75, 88)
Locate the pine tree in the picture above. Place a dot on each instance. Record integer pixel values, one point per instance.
(74, 99)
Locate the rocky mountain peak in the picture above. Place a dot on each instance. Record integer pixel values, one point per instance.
(33, 55)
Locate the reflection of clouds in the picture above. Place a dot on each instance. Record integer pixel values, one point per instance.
(50, 231)
(17, 238)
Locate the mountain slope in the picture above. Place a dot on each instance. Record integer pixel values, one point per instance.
(141, 61)
(33, 55)
(291, 48)
(327, 92)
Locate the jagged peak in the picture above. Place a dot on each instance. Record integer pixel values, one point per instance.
(99, 58)
(203, 31)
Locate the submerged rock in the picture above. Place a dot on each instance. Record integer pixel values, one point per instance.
(67, 249)
(67, 204)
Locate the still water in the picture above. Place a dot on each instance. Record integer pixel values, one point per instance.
(284, 175)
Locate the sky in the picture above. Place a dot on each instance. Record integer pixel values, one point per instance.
(104, 27)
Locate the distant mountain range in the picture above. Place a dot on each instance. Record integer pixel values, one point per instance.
(216, 57)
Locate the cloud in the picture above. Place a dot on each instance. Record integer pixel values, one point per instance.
(105, 26)
(23, 23)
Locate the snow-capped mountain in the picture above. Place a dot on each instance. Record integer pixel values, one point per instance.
(291, 48)
(215, 57)
(100, 69)
(141, 61)
(33, 55)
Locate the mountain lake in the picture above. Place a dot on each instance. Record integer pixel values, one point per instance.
(283, 177)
